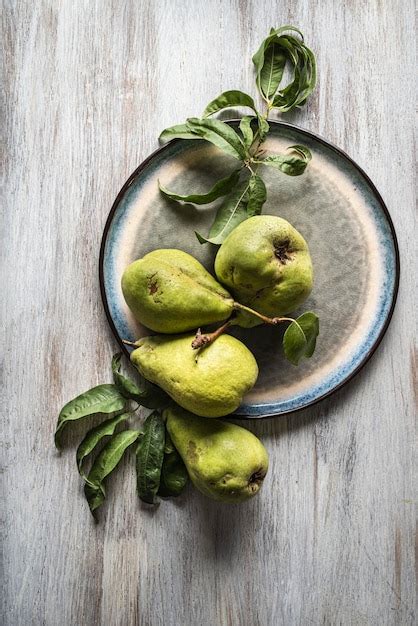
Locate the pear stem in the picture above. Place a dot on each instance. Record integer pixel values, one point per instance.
(264, 318)
(129, 343)
(201, 340)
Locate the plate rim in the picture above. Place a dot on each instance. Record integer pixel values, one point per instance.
(368, 180)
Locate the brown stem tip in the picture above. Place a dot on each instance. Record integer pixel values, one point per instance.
(129, 343)
(201, 340)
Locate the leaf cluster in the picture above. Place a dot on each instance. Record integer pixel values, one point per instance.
(160, 470)
(277, 50)
(243, 190)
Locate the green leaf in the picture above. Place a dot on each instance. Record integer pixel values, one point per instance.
(100, 399)
(246, 130)
(272, 70)
(180, 131)
(232, 212)
(293, 164)
(303, 151)
(263, 126)
(296, 93)
(174, 474)
(257, 194)
(220, 134)
(304, 75)
(221, 188)
(232, 98)
(279, 48)
(299, 339)
(309, 322)
(94, 436)
(127, 387)
(268, 63)
(145, 393)
(294, 343)
(95, 497)
(149, 457)
(104, 464)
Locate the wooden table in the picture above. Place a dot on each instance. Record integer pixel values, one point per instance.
(88, 87)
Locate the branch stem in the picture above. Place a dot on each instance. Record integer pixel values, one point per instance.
(264, 318)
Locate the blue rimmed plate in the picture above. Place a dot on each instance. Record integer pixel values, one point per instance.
(339, 212)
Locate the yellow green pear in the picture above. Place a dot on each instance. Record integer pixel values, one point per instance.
(169, 291)
(210, 382)
(224, 461)
(265, 262)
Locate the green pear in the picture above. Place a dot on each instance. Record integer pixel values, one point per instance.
(171, 292)
(266, 264)
(224, 461)
(209, 382)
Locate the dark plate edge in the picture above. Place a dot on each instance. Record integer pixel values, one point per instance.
(368, 180)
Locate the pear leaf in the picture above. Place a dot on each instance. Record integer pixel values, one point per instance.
(272, 69)
(127, 387)
(104, 464)
(302, 151)
(263, 126)
(174, 474)
(145, 393)
(299, 339)
(234, 98)
(179, 131)
(231, 212)
(246, 130)
(220, 134)
(100, 399)
(309, 322)
(149, 457)
(294, 343)
(231, 98)
(303, 62)
(257, 195)
(293, 164)
(269, 62)
(95, 497)
(221, 188)
(95, 436)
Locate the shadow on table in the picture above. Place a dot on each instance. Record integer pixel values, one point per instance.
(229, 530)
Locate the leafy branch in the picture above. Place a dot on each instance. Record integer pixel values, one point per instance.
(160, 470)
(243, 191)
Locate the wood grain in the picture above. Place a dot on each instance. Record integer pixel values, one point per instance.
(88, 86)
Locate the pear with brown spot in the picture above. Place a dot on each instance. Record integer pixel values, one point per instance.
(225, 462)
(266, 265)
(169, 291)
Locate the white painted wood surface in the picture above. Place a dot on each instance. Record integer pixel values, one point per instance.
(88, 87)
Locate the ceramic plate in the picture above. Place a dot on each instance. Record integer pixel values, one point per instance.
(336, 208)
